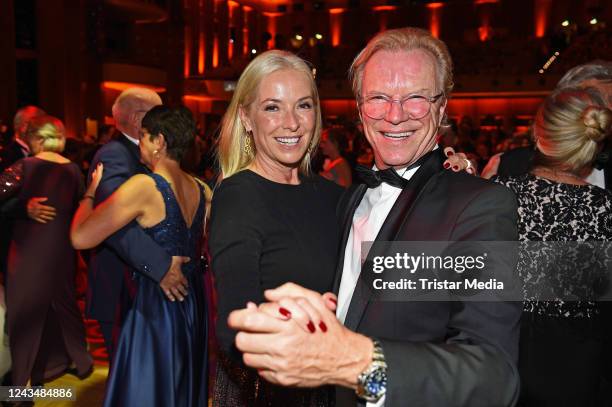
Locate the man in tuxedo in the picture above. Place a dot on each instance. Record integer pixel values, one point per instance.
(18, 148)
(130, 249)
(397, 353)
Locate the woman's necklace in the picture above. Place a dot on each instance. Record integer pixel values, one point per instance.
(560, 176)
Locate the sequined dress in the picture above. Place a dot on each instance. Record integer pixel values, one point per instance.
(161, 357)
(561, 345)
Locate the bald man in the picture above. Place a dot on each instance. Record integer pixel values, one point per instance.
(130, 250)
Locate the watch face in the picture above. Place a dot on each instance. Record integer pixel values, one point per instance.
(376, 383)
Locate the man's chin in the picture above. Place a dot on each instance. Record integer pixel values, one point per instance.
(395, 162)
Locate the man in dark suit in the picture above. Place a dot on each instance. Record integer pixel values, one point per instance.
(130, 249)
(398, 353)
(18, 148)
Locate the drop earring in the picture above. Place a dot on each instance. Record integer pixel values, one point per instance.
(248, 149)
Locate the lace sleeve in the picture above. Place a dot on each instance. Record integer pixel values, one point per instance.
(10, 180)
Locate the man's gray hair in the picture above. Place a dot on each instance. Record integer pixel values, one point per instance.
(131, 99)
(24, 116)
(599, 70)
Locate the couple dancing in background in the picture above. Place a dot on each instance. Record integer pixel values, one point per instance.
(45, 327)
(161, 353)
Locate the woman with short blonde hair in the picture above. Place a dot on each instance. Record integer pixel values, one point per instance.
(46, 133)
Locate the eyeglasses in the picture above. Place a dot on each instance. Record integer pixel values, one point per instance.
(417, 106)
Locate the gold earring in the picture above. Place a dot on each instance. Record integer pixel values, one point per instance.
(248, 149)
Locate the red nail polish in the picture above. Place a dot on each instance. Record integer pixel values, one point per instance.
(455, 167)
(450, 153)
(334, 301)
(311, 327)
(323, 326)
(284, 312)
(446, 166)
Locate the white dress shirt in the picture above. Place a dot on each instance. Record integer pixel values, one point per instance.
(132, 139)
(597, 178)
(25, 148)
(367, 221)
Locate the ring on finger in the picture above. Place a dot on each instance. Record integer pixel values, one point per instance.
(469, 164)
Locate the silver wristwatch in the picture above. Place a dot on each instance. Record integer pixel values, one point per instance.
(372, 382)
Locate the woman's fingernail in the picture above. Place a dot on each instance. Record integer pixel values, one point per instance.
(449, 153)
(446, 166)
(455, 167)
(284, 312)
(323, 326)
(334, 301)
(311, 327)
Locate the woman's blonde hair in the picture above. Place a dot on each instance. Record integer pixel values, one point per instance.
(231, 152)
(570, 127)
(48, 129)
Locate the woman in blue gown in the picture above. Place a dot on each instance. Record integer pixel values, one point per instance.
(161, 357)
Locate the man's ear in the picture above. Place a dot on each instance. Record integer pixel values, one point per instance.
(134, 119)
(244, 118)
(442, 110)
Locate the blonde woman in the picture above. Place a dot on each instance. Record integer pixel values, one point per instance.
(45, 328)
(561, 345)
(272, 221)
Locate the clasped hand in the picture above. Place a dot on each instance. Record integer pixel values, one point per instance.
(296, 339)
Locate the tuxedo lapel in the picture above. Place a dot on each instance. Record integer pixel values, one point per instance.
(347, 208)
(388, 232)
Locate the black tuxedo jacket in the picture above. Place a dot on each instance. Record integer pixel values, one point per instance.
(440, 353)
(127, 250)
(11, 153)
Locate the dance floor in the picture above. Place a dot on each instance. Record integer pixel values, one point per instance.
(89, 392)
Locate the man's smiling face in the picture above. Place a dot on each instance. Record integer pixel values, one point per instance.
(399, 140)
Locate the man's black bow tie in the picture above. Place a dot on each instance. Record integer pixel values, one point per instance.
(374, 178)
